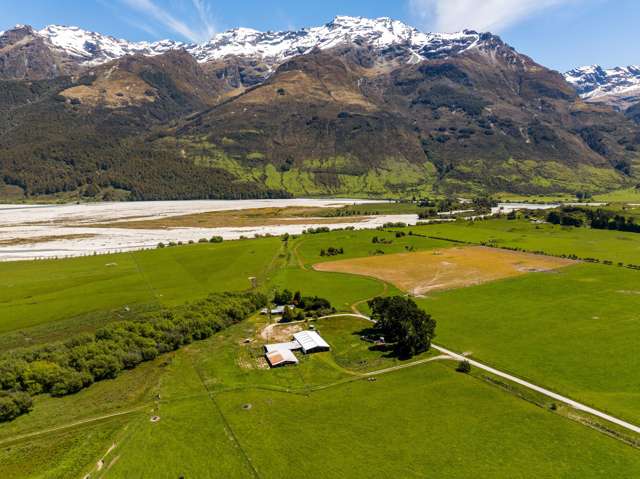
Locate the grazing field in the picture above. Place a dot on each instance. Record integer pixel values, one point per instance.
(425, 271)
(358, 244)
(576, 331)
(222, 413)
(615, 246)
(39, 292)
(223, 416)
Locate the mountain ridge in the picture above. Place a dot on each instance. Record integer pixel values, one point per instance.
(366, 107)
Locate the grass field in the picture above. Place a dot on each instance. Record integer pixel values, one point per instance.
(616, 246)
(575, 331)
(224, 414)
(426, 271)
(449, 425)
(357, 244)
(41, 292)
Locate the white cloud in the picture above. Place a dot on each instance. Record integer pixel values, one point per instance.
(481, 15)
(153, 11)
(204, 12)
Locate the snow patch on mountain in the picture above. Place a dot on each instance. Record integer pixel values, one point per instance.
(92, 48)
(619, 86)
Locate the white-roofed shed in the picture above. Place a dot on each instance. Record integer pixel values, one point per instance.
(290, 346)
(311, 342)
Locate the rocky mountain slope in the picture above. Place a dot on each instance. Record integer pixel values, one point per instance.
(355, 107)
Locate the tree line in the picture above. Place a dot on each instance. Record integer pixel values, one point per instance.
(597, 219)
(63, 368)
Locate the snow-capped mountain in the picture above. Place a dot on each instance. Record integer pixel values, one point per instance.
(619, 86)
(380, 33)
(89, 48)
(92, 48)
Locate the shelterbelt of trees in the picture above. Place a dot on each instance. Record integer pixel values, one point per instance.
(598, 219)
(67, 367)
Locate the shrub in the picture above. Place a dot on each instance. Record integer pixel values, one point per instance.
(464, 367)
(216, 239)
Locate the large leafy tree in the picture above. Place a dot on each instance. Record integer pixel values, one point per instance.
(402, 322)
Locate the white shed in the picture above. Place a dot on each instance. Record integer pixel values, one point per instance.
(311, 342)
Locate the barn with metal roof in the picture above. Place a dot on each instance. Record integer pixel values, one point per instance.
(281, 357)
(290, 346)
(311, 342)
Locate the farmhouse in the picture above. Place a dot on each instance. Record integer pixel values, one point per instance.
(311, 342)
(281, 358)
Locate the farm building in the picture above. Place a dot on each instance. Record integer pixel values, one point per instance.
(281, 357)
(275, 311)
(311, 342)
(290, 346)
(279, 354)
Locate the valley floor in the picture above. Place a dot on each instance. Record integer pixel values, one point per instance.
(354, 411)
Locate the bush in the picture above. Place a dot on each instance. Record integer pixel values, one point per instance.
(13, 404)
(216, 239)
(464, 367)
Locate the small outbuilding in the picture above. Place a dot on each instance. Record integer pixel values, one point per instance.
(311, 342)
(281, 357)
(278, 310)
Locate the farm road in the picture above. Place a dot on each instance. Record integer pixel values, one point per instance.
(546, 392)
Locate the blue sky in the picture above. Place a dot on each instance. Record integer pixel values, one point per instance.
(560, 34)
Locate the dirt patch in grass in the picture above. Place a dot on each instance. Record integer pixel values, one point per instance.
(280, 333)
(425, 271)
(236, 218)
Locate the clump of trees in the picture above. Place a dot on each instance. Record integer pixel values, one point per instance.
(376, 240)
(403, 323)
(13, 404)
(399, 224)
(319, 229)
(66, 367)
(331, 251)
(595, 218)
(303, 306)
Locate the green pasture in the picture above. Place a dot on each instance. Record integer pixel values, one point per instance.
(222, 414)
(426, 421)
(616, 246)
(357, 244)
(575, 331)
(37, 292)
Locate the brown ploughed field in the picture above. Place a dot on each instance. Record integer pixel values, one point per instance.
(421, 272)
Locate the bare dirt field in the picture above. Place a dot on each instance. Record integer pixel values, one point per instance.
(425, 271)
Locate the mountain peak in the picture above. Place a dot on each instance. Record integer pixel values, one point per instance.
(617, 86)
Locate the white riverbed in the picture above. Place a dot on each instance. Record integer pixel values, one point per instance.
(31, 222)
